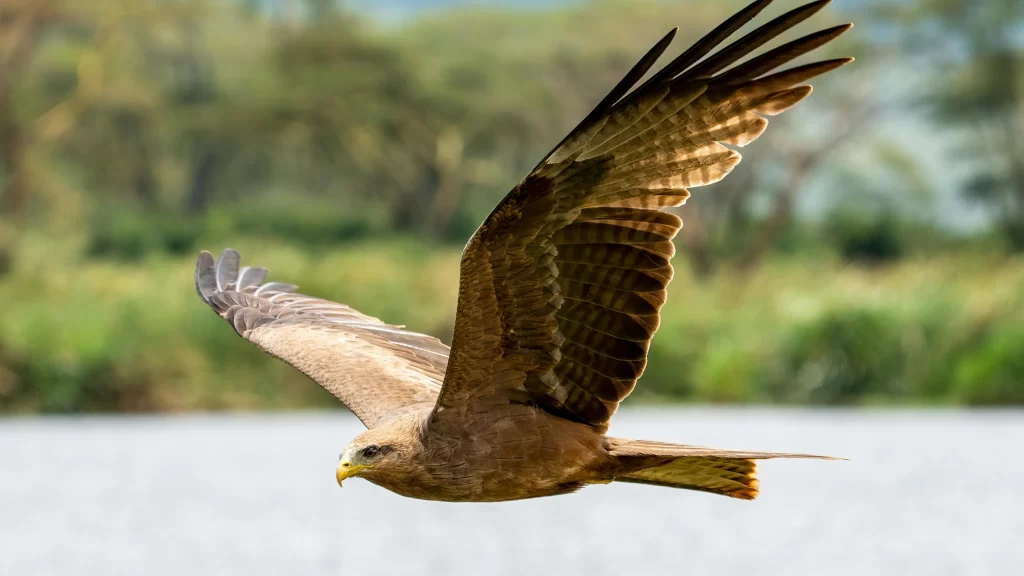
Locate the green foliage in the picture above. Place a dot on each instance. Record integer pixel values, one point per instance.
(111, 335)
(841, 357)
(312, 223)
(992, 373)
(354, 159)
(972, 54)
(130, 235)
(867, 239)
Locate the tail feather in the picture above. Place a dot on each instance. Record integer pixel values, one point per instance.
(726, 472)
(736, 478)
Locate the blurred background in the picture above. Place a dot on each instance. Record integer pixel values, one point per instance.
(868, 251)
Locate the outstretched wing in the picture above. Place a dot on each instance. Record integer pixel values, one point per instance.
(562, 286)
(377, 370)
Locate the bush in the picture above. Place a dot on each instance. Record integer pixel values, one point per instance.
(104, 335)
(302, 221)
(840, 358)
(868, 239)
(993, 372)
(130, 235)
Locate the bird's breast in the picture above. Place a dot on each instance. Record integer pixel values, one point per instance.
(518, 456)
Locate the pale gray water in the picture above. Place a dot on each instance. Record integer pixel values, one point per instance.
(925, 494)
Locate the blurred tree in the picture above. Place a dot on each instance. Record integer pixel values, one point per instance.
(22, 24)
(975, 53)
(188, 106)
(883, 202)
(350, 110)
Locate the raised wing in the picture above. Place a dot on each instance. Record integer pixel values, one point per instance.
(377, 370)
(562, 286)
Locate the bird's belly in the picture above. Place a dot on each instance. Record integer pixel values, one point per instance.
(488, 486)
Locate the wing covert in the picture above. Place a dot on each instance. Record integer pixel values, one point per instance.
(377, 370)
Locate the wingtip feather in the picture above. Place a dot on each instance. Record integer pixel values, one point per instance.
(227, 267)
(754, 40)
(206, 283)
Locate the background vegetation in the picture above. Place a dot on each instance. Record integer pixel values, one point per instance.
(868, 249)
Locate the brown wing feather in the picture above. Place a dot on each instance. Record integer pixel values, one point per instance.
(562, 286)
(379, 371)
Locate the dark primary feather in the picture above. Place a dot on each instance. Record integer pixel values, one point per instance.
(595, 120)
(702, 47)
(754, 40)
(561, 287)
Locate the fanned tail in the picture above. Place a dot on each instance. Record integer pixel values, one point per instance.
(730, 473)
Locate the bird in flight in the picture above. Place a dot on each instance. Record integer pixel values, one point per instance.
(560, 292)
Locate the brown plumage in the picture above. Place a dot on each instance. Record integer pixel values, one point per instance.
(560, 292)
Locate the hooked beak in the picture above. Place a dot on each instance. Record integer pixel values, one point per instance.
(346, 470)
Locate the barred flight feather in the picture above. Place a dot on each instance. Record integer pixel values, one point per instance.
(576, 256)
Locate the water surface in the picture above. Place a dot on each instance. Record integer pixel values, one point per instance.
(925, 493)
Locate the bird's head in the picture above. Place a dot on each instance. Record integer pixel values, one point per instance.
(374, 453)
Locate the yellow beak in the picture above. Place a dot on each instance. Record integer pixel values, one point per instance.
(346, 470)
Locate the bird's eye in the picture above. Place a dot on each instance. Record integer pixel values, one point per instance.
(371, 451)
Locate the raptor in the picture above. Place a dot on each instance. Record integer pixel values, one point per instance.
(560, 293)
